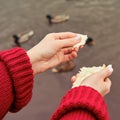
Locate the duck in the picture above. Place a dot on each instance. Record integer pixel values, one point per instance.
(25, 36)
(64, 67)
(57, 19)
(90, 41)
(22, 37)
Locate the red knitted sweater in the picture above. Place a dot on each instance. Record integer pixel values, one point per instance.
(81, 103)
(16, 83)
(16, 80)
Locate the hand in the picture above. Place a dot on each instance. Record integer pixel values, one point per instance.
(98, 81)
(54, 49)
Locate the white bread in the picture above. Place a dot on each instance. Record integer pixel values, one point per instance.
(82, 42)
(85, 72)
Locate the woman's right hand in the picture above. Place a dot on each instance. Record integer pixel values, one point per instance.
(98, 81)
(53, 49)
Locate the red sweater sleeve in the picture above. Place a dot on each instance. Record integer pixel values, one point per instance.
(81, 103)
(16, 80)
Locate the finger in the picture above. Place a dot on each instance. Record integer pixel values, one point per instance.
(64, 35)
(81, 46)
(69, 42)
(108, 82)
(67, 50)
(75, 48)
(106, 72)
(70, 56)
(73, 79)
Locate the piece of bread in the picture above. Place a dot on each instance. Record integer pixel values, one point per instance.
(85, 72)
(82, 42)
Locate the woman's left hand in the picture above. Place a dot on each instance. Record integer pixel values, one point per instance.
(99, 81)
(54, 49)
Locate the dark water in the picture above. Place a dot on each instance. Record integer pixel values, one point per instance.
(97, 18)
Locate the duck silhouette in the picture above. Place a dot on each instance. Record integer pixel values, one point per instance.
(22, 37)
(57, 19)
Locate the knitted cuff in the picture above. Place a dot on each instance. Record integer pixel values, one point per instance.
(84, 98)
(21, 74)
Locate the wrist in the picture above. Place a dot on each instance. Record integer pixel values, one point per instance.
(30, 58)
(38, 65)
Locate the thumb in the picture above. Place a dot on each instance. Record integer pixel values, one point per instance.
(106, 72)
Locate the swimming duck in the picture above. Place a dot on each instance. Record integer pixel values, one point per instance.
(90, 41)
(57, 18)
(64, 67)
(22, 37)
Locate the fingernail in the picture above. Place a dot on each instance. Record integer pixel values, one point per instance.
(110, 68)
(78, 37)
